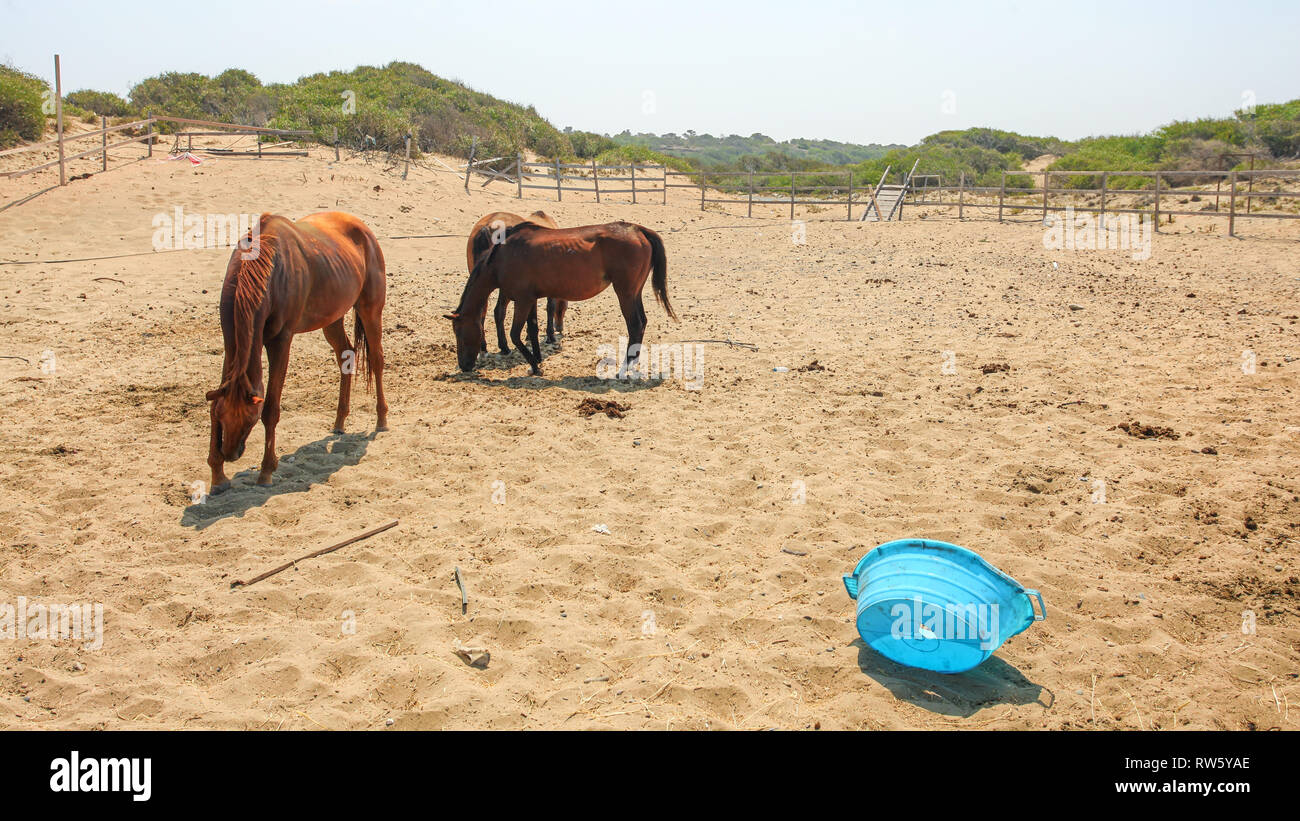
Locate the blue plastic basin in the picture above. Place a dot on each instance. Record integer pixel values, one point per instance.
(937, 606)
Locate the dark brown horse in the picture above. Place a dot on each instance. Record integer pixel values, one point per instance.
(572, 264)
(498, 222)
(290, 278)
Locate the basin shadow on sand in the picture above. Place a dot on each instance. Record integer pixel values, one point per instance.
(309, 465)
(961, 694)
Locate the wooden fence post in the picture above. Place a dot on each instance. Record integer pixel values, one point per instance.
(469, 164)
(58, 118)
(1002, 195)
(519, 175)
(1045, 186)
(751, 193)
(849, 218)
(961, 196)
(792, 179)
(336, 143)
(1105, 178)
(664, 171)
(1157, 228)
(701, 189)
(633, 178)
(1232, 204)
(103, 125)
(595, 178)
(407, 167)
(559, 190)
(149, 134)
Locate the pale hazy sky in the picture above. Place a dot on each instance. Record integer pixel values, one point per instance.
(857, 72)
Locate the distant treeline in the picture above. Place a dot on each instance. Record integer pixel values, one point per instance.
(376, 107)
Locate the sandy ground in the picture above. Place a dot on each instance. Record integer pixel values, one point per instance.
(715, 600)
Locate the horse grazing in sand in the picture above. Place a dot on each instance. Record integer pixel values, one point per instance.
(478, 245)
(293, 277)
(571, 264)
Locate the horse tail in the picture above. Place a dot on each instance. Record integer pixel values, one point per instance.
(361, 349)
(659, 264)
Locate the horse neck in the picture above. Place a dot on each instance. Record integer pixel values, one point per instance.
(252, 282)
(479, 288)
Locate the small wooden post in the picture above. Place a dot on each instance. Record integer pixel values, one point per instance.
(149, 134)
(961, 196)
(792, 179)
(633, 178)
(519, 175)
(1045, 183)
(103, 125)
(336, 143)
(850, 214)
(58, 118)
(1250, 183)
(1218, 184)
(406, 168)
(258, 137)
(1157, 228)
(702, 189)
(469, 164)
(664, 180)
(1002, 195)
(559, 189)
(1105, 179)
(595, 178)
(1232, 204)
(751, 193)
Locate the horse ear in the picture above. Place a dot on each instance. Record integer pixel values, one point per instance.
(219, 392)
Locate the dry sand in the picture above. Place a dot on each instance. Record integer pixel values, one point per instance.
(688, 614)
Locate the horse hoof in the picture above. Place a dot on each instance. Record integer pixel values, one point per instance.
(337, 431)
(219, 489)
(264, 479)
(537, 371)
(381, 428)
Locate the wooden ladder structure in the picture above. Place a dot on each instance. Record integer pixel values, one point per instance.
(888, 199)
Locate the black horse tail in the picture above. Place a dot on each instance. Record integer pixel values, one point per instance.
(360, 349)
(659, 265)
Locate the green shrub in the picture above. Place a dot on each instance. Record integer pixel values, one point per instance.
(104, 103)
(22, 97)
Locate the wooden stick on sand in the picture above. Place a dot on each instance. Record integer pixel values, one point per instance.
(321, 552)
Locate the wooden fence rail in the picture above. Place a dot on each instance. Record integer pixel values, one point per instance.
(1158, 194)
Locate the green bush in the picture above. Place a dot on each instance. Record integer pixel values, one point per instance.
(22, 97)
(104, 103)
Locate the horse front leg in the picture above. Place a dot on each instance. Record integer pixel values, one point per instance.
(532, 333)
(216, 462)
(500, 316)
(516, 326)
(277, 354)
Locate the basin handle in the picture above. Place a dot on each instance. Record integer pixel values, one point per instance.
(1042, 608)
(851, 585)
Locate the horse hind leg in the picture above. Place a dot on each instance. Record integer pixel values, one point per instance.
(500, 316)
(532, 333)
(635, 318)
(346, 359)
(370, 317)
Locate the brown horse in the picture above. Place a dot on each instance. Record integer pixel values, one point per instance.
(293, 277)
(478, 244)
(572, 264)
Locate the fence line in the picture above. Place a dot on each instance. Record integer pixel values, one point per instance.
(1156, 193)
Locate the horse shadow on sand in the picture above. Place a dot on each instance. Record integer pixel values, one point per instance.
(308, 465)
(959, 695)
(587, 384)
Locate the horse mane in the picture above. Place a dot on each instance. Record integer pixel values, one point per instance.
(252, 279)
